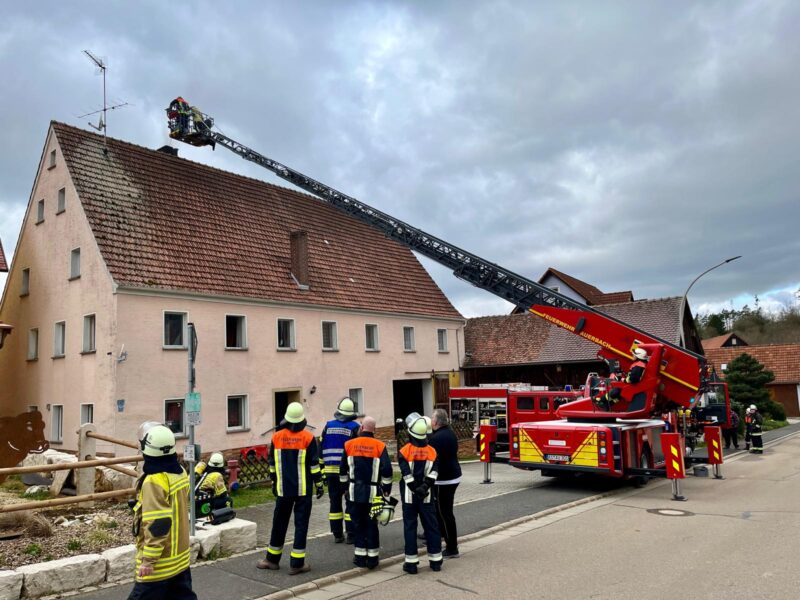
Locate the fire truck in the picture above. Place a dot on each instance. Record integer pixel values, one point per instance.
(620, 440)
(505, 404)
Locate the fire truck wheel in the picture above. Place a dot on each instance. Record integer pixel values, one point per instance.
(644, 463)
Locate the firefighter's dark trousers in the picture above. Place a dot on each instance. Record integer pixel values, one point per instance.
(445, 498)
(177, 587)
(758, 443)
(337, 514)
(426, 512)
(367, 538)
(280, 523)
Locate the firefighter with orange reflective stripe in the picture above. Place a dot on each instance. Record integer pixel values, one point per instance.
(293, 467)
(418, 467)
(634, 376)
(364, 461)
(160, 520)
(754, 422)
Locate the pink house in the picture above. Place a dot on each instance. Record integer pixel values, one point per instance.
(122, 247)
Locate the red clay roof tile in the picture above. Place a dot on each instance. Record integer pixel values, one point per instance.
(164, 222)
(3, 263)
(782, 359)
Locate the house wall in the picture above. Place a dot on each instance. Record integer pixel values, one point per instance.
(552, 281)
(151, 374)
(787, 394)
(45, 249)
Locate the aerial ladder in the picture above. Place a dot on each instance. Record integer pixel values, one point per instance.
(674, 377)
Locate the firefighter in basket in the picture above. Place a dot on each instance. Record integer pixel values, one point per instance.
(634, 376)
(366, 474)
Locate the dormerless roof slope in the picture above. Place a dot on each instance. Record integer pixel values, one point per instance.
(3, 264)
(782, 359)
(526, 339)
(163, 222)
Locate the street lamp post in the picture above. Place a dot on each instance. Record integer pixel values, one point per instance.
(686, 293)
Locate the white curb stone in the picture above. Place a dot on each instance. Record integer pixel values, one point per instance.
(10, 585)
(120, 563)
(209, 540)
(237, 535)
(62, 575)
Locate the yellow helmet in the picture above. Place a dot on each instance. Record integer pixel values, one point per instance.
(294, 413)
(216, 460)
(419, 428)
(158, 441)
(346, 407)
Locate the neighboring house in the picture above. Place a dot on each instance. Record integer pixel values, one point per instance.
(524, 348)
(782, 359)
(5, 329)
(574, 288)
(727, 340)
(292, 300)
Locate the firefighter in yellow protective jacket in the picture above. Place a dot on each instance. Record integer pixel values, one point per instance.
(211, 480)
(161, 520)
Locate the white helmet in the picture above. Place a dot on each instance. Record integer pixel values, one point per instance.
(418, 429)
(158, 440)
(387, 512)
(216, 460)
(753, 408)
(346, 407)
(640, 353)
(429, 424)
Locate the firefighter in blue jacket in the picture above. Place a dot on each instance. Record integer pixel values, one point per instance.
(366, 460)
(293, 467)
(418, 467)
(342, 428)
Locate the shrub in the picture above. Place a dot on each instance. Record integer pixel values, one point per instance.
(777, 411)
(73, 545)
(33, 550)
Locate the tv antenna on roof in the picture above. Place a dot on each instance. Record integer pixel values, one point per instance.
(102, 125)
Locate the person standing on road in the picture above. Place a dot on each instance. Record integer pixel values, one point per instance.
(293, 466)
(756, 423)
(161, 520)
(748, 429)
(445, 443)
(731, 433)
(365, 460)
(342, 428)
(418, 467)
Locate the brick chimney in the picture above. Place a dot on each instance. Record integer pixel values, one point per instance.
(299, 248)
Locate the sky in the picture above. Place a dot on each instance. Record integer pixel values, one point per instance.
(630, 144)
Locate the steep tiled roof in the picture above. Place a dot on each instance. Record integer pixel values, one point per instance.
(526, 339)
(720, 341)
(3, 263)
(592, 294)
(168, 223)
(782, 359)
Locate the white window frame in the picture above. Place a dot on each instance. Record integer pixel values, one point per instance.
(40, 211)
(245, 426)
(90, 410)
(244, 332)
(92, 347)
(74, 263)
(335, 336)
(61, 205)
(441, 347)
(56, 353)
(25, 283)
(377, 347)
(184, 335)
(182, 433)
(56, 427)
(292, 335)
(413, 347)
(357, 398)
(33, 349)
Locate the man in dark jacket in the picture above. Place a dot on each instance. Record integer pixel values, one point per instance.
(366, 474)
(445, 443)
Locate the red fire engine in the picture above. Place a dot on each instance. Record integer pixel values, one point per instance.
(674, 378)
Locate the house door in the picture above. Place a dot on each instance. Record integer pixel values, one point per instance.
(282, 400)
(442, 392)
(407, 397)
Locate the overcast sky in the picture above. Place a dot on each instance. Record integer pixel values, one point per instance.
(632, 145)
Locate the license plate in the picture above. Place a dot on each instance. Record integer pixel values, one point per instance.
(557, 457)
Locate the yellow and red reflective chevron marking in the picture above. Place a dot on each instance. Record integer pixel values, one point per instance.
(484, 457)
(676, 463)
(528, 450)
(715, 449)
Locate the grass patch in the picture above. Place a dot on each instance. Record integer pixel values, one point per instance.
(770, 424)
(13, 484)
(73, 545)
(33, 550)
(43, 495)
(249, 496)
(100, 536)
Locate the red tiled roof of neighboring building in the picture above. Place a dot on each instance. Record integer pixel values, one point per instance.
(526, 339)
(163, 222)
(720, 341)
(782, 359)
(3, 263)
(592, 294)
